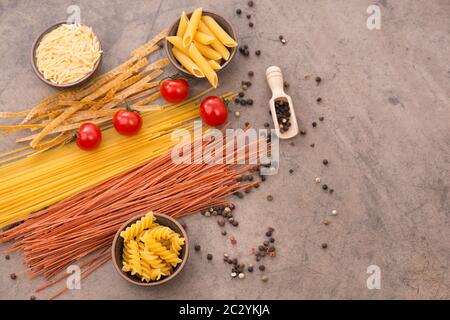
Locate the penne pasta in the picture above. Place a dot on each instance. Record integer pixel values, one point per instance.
(182, 25)
(216, 44)
(218, 32)
(192, 27)
(203, 64)
(203, 38)
(187, 63)
(215, 65)
(178, 43)
(208, 52)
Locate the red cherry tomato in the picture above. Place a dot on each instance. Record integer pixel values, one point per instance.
(213, 111)
(89, 136)
(127, 122)
(174, 91)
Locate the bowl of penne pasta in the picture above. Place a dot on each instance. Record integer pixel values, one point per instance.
(150, 250)
(201, 44)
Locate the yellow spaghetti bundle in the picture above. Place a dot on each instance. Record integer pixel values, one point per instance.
(33, 183)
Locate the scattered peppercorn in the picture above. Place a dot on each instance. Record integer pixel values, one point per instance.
(13, 276)
(326, 222)
(250, 24)
(33, 298)
(318, 80)
(235, 223)
(324, 245)
(7, 257)
(331, 191)
(239, 194)
(266, 125)
(247, 124)
(243, 102)
(324, 187)
(269, 198)
(250, 268)
(302, 132)
(237, 100)
(272, 240)
(325, 162)
(321, 118)
(209, 256)
(235, 261)
(286, 84)
(312, 145)
(249, 16)
(250, 102)
(314, 124)
(262, 267)
(251, 74)
(238, 11)
(266, 243)
(291, 171)
(241, 94)
(258, 52)
(292, 144)
(319, 100)
(250, 3)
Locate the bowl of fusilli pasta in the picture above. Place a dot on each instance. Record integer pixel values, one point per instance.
(150, 250)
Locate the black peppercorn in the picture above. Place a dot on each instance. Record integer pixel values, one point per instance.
(13, 276)
(251, 73)
(314, 124)
(321, 118)
(249, 16)
(250, 24)
(250, 3)
(241, 94)
(262, 267)
(258, 52)
(197, 247)
(250, 102)
(324, 187)
(324, 245)
(319, 100)
(237, 100)
(318, 80)
(291, 171)
(209, 256)
(302, 132)
(325, 162)
(238, 11)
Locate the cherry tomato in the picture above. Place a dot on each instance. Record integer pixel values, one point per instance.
(174, 91)
(213, 111)
(127, 122)
(89, 136)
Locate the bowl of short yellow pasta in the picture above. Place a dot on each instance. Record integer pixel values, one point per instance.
(201, 44)
(150, 250)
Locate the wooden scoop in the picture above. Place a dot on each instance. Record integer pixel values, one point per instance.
(276, 84)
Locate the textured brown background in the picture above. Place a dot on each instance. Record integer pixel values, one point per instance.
(386, 134)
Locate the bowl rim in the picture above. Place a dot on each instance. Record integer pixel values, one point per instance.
(164, 280)
(174, 26)
(34, 47)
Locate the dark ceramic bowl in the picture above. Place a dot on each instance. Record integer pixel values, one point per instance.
(39, 74)
(117, 249)
(173, 31)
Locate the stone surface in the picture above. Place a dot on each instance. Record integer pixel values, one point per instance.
(386, 134)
